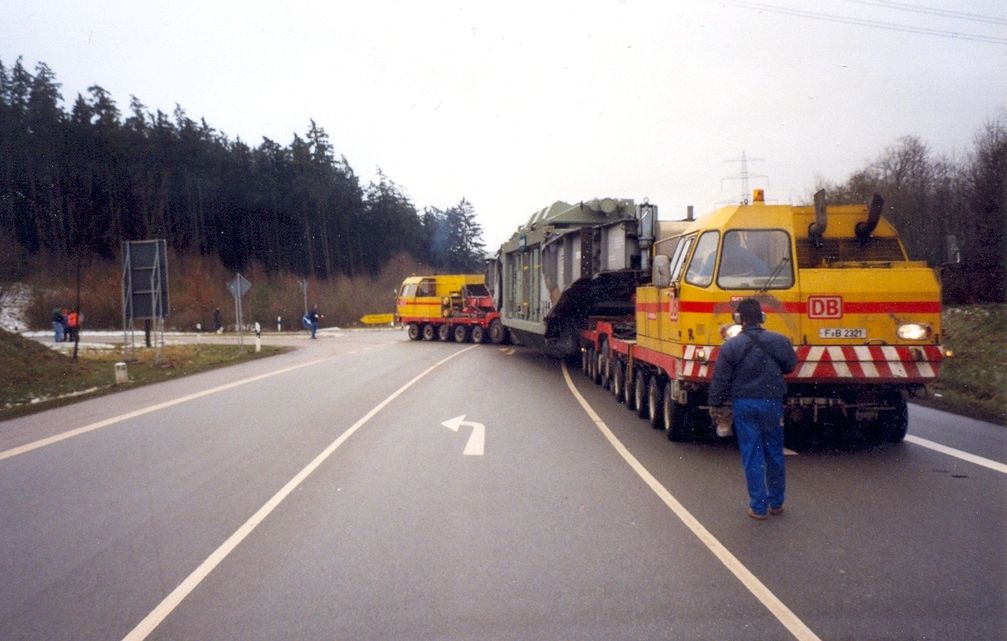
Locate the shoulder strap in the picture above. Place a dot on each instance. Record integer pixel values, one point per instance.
(748, 349)
(756, 341)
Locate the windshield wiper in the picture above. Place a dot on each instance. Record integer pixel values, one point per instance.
(776, 272)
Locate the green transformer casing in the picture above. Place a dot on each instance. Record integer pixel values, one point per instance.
(569, 262)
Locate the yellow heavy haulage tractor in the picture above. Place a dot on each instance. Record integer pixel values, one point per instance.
(449, 307)
(864, 320)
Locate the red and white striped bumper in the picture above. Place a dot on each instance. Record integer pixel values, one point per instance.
(839, 363)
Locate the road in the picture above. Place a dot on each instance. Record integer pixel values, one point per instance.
(319, 495)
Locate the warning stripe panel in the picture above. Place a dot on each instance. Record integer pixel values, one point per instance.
(840, 363)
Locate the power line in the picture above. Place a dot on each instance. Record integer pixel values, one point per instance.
(744, 176)
(863, 22)
(933, 11)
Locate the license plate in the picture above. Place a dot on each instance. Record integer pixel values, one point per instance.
(842, 332)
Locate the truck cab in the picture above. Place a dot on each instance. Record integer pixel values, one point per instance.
(836, 280)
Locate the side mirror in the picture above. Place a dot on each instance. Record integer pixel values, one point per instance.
(661, 271)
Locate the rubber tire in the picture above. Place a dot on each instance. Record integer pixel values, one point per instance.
(673, 416)
(429, 333)
(413, 332)
(478, 335)
(444, 333)
(497, 333)
(893, 424)
(460, 334)
(654, 402)
(618, 385)
(640, 393)
(604, 367)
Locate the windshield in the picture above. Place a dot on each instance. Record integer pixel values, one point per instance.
(755, 259)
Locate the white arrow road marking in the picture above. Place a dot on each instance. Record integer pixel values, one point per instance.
(477, 440)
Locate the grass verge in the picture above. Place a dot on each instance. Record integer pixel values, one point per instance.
(974, 381)
(34, 378)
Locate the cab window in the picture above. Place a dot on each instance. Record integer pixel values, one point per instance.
(428, 287)
(678, 259)
(756, 259)
(408, 290)
(703, 260)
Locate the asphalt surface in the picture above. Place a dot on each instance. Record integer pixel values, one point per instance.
(319, 495)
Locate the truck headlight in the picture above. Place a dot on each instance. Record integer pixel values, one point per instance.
(913, 331)
(730, 331)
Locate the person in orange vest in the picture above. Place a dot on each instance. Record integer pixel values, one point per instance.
(73, 325)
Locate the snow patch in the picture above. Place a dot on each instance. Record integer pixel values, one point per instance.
(13, 307)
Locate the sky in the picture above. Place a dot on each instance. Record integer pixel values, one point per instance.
(515, 105)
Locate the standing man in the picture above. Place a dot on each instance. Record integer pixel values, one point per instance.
(57, 325)
(749, 372)
(313, 317)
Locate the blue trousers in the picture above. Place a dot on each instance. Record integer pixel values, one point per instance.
(760, 439)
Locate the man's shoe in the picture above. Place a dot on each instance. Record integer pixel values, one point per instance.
(755, 515)
(776, 511)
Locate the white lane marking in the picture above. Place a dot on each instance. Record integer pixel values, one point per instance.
(965, 456)
(170, 602)
(476, 444)
(56, 438)
(782, 613)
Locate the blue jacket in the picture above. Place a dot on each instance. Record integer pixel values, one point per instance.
(760, 374)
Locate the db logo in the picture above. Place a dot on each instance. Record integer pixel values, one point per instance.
(825, 306)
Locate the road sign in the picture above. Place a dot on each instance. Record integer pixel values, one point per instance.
(239, 286)
(377, 319)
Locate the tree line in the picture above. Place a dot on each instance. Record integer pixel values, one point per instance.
(947, 210)
(85, 180)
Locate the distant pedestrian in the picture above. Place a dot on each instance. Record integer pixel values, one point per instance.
(217, 327)
(313, 318)
(749, 372)
(57, 325)
(73, 320)
(66, 324)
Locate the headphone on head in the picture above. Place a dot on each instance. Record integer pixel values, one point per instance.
(737, 314)
(737, 317)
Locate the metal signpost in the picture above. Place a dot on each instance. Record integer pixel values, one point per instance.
(144, 290)
(303, 284)
(239, 287)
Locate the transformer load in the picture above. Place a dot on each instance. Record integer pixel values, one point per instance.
(569, 263)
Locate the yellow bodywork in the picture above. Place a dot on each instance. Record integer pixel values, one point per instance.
(428, 298)
(839, 293)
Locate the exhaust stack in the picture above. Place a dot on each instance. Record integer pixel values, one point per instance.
(865, 228)
(817, 229)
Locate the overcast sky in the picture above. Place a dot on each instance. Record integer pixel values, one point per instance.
(514, 105)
